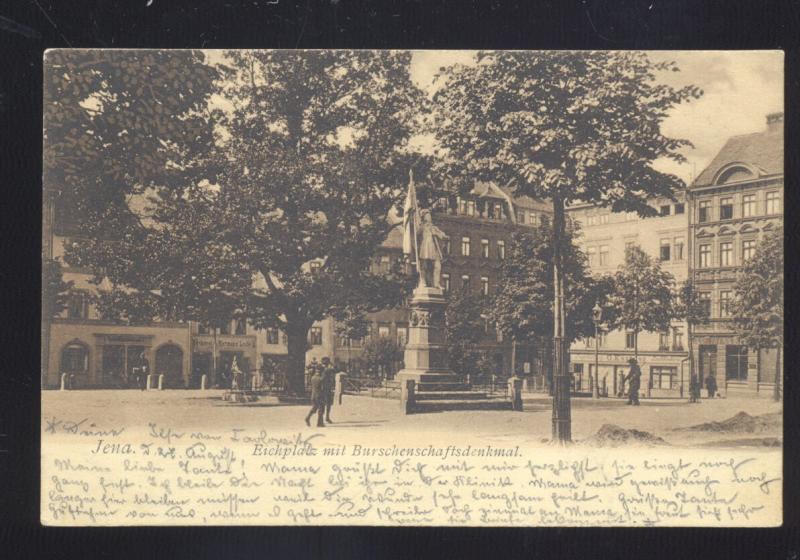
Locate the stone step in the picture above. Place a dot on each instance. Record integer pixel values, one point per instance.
(422, 406)
(450, 395)
(437, 386)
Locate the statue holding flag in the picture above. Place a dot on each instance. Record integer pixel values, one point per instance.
(422, 238)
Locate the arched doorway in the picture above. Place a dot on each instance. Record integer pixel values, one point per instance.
(169, 362)
(75, 362)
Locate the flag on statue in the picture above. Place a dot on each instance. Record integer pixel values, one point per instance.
(409, 217)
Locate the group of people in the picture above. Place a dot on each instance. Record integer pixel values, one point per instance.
(323, 384)
(695, 388)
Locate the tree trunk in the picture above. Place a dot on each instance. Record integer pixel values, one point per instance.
(297, 345)
(513, 357)
(562, 424)
(690, 342)
(778, 376)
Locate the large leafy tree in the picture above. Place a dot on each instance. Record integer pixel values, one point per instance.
(522, 307)
(643, 297)
(308, 160)
(758, 299)
(563, 126)
(55, 290)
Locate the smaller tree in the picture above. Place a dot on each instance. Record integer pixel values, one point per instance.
(464, 329)
(381, 354)
(758, 300)
(643, 295)
(351, 324)
(55, 291)
(690, 307)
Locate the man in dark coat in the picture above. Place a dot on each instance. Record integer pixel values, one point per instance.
(317, 400)
(711, 386)
(634, 380)
(328, 386)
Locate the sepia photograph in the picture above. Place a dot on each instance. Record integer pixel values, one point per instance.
(412, 287)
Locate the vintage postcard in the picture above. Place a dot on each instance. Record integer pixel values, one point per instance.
(403, 288)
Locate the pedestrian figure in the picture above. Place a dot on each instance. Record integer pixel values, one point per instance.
(144, 370)
(311, 369)
(328, 386)
(317, 399)
(634, 379)
(694, 389)
(711, 386)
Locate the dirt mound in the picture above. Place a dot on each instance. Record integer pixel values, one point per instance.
(611, 435)
(740, 423)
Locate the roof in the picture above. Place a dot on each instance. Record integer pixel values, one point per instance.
(762, 152)
(395, 237)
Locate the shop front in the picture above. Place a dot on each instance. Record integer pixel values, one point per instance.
(209, 351)
(664, 374)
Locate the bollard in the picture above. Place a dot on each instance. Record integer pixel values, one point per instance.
(161, 382)
(149, 381)
(515, 388)
(407, 397)
(339, 387)
(203, 382)
(63, 381)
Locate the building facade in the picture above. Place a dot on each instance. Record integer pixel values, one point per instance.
(733, 203)
(663, 356)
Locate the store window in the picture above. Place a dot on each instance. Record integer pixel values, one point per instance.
(664, 377)
(736, 363)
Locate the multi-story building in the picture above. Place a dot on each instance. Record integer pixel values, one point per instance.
(102, 353)
(733, 203)
(605, 236)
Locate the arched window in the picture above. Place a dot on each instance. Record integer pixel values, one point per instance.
(75, 358)
(734, 174)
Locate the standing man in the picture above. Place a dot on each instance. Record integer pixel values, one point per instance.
(634, 379)
(317, 399)
(711, 386)
(144, 368)
(311, 369)
(328, 386)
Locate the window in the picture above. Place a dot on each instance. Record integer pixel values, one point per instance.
(664, 252)
(402, 334)
(465, 282)
(383, 330)
(704, 256)
(591, 253)
(679, 245)
(603, 255)
(521, 216)
(603, 218)
(680, 208)
(202, 328)
(725, 303)
(748, 249)
(773, 203)
(314, 267)
(726, 254)
(485, 248)
(726, 208)
(736, 363)
(462, 206)
(316, 336)
(446, 282)
(240, 326)
(484, 285)
(677, 339)
(591, 220)
(77, 305)
(386, 264)
(532, 218)
(705, 302)
(498, 211)
(577, 376)
(501, 250)
(663, 341)
(470, 208)
(465, 246)
(272, 335)
(748, 205)
(704, 211)
(664, 210)
(630, 340)
(225, 328)
(663, 377)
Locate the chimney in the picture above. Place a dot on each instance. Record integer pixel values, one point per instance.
(775, 122)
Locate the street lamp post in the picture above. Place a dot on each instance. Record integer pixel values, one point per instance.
(597, 316)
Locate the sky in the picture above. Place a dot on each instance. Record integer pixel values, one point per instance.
(740, 89)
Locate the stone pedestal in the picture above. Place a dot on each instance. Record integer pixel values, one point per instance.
(425, 353)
